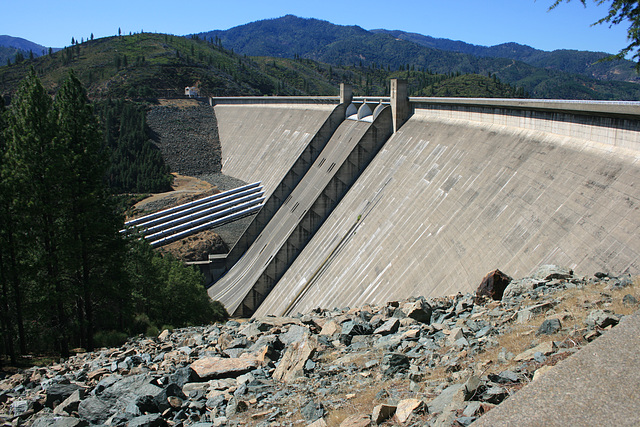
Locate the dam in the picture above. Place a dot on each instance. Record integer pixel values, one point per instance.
(370, 200)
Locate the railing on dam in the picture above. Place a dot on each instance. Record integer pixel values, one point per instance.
(617, 108)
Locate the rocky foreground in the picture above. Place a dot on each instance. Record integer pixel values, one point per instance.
(438, 362)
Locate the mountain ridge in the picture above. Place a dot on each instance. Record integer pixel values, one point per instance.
(592, 63)
(574, 74)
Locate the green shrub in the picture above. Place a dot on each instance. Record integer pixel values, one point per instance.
(109, 338)
(219, 312)
(141, 323)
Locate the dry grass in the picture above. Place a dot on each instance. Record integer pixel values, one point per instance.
(572, 311)
(362, 403)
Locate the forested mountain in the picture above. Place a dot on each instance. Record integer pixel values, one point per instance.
(12, 47)
(570, 61)
(560, 74)
(145, 66)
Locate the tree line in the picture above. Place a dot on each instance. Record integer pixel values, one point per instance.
(68, 278)
(135, 163)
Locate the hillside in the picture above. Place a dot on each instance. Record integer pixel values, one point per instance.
(440, 361)
(290, 37)
(571, 61)
(11, 46)
(148, 66)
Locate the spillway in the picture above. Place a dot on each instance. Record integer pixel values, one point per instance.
(344, 157)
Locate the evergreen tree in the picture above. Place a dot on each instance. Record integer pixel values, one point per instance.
(34, 160)
(91, 226)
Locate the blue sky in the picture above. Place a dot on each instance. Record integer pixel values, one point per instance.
(483, 22)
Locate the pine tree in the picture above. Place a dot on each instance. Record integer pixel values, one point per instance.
(34, 161)
(91, 226)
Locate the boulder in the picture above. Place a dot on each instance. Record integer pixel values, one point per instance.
(382, 413)
(419, 310)
(213, 367)
(358, 420)
(545, 348)
(57, 393)
(389, 327)
(292, 362)
(352, 327)
(493, 285)
(312, 411)
(407, 407)
(70, 404)
(549, 327)
(550, 272)
(393, 363)
(601, 319)
(58, 421)
(519, 287)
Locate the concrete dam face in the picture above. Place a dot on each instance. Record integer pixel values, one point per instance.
(459, 189)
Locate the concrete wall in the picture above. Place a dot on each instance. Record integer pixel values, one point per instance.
(339, 164)
(262, 142)
(284, 188)
(456, 193)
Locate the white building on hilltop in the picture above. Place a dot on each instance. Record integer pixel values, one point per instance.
(192, 91)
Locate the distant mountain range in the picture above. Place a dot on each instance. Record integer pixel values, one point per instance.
(298, 56)
(11, 46)
(561, 73)
(593, 64)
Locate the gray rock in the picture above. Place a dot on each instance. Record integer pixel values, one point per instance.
(465, 421)
(393, 363)
(296, 333)
(601, 319)
(550, 272)
(353, 327)
(438, 404)
(312, 411)
(95, 410)
(171, 390)
(495, 394)
(19, 407)
(235, 406)
(150, 420)
(389, 327)
(549, 327)
(70, 404)
(522, 286)
(419, 310)
(58, 421)
(57, 393)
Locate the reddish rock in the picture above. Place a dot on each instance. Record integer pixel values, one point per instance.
(219, 367)
(356, 421)
(493, 285)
